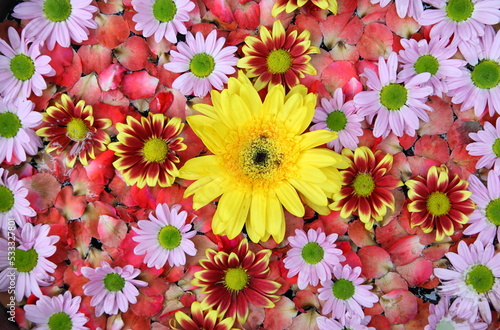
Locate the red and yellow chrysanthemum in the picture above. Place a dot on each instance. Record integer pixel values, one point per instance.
(291, 5)
(232, 281)
(74, 129)
(202, 319)
(280, 58)
(147, 150)
(439, 202)
(367, 186)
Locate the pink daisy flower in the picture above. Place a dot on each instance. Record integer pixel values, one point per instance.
(480, 86)
(162, 18)
(486, 145)
(397, 107)
(433, 57)
(17, 137)
(339, 116)
(485, 219)
(165, 238)
(347, 321)
(13, 202)
(57, 21)
(59, 312)
(312, 256)
(29, 266)
(22, 67)
(346, 293)
(204, 64)
(411, 8)
(459, 316)
(112, 289)
(474, 277)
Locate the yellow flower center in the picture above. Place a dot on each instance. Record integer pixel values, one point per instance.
(155, 150)
(438, 203)
(279, 61)
(363, 184)
(236, 279)
(77, 129)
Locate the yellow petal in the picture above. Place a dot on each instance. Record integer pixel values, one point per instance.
(288, 196)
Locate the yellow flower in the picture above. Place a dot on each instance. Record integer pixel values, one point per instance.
(261, 161)
(290, 5)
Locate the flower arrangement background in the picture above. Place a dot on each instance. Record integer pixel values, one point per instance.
(272, 164)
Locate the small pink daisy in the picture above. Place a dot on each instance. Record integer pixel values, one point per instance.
(57, 21)
(434, 57)
(312, 256)
(410, 8)
(162, 18)
(204, 64)
(474, 277)
(22, 67)
(17, 137)
(112, 289)
(13, 202)
(460, 316)
(346, 293)
(487, 145)
(347, 321)
(59, 312)
(339, 116)
(29, 265)
(485, 219)
(397, 107)
(165, 238)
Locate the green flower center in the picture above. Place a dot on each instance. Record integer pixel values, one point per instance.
(393, 96)
(481, 278)
(22, 67)
(343, 289)
(261, 158)
(486, 74)
(336, 120)
(114, 282)
(459, 10)
(164, 10)
(155, 150)
(9, 124)
(25, 261)
(169, 237)
(57, 10)
(493, 212)
(60, 321)
(202, 65)
(426, 63)
(279, 61)
(445, 325)
(363, 184)
(236, 279)
(6, 199)
(77, 129)
(438, 204)
(312, 253)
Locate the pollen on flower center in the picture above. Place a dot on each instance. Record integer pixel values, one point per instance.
(438, 203)
(426, 63)
(114, 282)
(459, 10)
(261, 158)
(236, 279)
(77, 129)
(22, 67)
(25, 261)
(363, 184)
(164, 10)
(169, 237)
(486, 74)
(202, 65)
(60, 321)
(312, 253)
(57, 10)
(6, 199)
(155, 150)
(279, 61)
(343, 289)
(493, 212)
(393, 96)
(481, 278)
(336, 120)
(9, 124)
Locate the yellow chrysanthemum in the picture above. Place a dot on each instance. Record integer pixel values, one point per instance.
(291, 5)
(261, 161)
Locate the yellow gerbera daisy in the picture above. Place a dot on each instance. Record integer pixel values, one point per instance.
(261, 161)
(291, 5)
